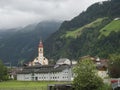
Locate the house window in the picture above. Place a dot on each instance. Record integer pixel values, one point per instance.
(32, 74)
(26, 77)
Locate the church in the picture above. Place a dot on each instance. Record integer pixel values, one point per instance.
(40, 60)
(40, 70)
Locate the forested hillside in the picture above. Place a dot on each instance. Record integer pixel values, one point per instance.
(94, 32)
(20, 45)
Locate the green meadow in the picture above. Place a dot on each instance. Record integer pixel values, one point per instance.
(26, 85)
(77, 32)
(113, 26)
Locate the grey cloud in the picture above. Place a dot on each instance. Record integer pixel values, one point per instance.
(15, 13)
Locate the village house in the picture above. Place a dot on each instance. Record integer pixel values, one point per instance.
(62, 61)
(45, 73)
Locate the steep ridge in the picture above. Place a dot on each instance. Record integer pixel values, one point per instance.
(21, 45)
(83, 35)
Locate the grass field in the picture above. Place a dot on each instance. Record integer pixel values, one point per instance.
(77, 32)
(112, 26)
(26, 85)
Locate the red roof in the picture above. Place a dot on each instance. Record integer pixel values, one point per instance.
(40, 44)
(114, 81)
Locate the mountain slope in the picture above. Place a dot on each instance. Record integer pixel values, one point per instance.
(22, 44)
(80, 36)
(114, 26)
(77, 32)
(97, 10)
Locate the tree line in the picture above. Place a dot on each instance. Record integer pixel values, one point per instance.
(3, 72)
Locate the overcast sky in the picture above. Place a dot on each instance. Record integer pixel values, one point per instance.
(17, 13)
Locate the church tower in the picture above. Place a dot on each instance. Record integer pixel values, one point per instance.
(40, 49)
(40, 60)
(40, 52)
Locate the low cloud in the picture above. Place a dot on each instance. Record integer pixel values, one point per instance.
(17, 13)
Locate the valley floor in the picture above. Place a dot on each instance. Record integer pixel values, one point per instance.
(26, 85)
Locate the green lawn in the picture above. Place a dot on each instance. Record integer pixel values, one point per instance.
(26, 85)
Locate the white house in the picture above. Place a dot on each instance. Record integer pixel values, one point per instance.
(45, 73)
(65, 61)
(117, 18)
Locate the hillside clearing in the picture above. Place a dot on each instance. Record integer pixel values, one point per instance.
(77, 32)
(113, 26)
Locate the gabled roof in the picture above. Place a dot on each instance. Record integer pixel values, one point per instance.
(43, 69)
(62, 60)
